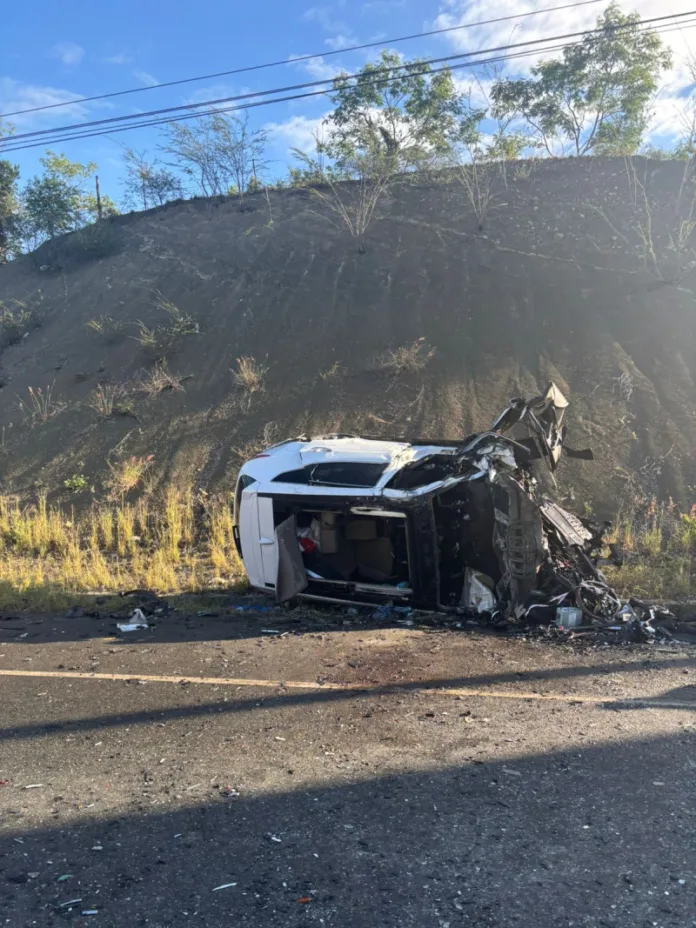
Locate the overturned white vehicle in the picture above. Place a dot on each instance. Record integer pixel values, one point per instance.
(436, 525)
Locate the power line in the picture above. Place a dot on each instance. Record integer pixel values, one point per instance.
(301, 58)
(163, 121)
(318, 83)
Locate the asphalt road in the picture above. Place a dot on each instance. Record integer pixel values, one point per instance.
(342, 775)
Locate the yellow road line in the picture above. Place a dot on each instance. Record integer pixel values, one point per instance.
(343, 687)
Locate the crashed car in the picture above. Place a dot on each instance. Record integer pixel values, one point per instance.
(451, 525)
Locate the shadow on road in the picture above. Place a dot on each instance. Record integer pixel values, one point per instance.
(681, 698)
(598, 838)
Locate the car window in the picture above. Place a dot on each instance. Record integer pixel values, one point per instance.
(343, 474)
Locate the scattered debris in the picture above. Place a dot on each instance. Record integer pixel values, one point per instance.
(138, 622)
(63, 877)
(461, 526)
(66, 905)
(34, 786)
(223, 886)
(303, 900)
(389, 610)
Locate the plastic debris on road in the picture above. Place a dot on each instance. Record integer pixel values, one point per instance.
(138, 622)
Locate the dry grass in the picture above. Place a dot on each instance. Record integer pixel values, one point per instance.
(248, 374)
(106, 326)
(659, 549)
(159, 380)
(407, 359)
(180, 323)
(173, 543)
(40, 406)
(331, 372)
(17, 319)
(108, 400)
(126, 474)
(269, 436)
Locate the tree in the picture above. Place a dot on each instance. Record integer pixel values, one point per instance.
(354, 205)
(148, 184)
(218, 152)
(240, 151)
(399, 109)
(597, 96)
(9, 209)
(192, 146)
(9, 205)
(58, 202)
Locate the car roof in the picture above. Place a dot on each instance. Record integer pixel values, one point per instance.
(297, 453)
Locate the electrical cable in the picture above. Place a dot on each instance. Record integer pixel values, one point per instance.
(309, 84)
(300, 58)
(246, 106)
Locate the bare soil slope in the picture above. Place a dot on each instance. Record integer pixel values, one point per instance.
(554, 286)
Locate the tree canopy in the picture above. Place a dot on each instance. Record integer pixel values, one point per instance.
(597, 96)
(400, 109)
(57, 201)
(9, 204)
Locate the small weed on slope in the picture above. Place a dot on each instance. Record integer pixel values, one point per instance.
(407, 359)
(108, 400)
(159, 380)
(127, 474)
(17, 319)
(40, 406)
(248, 374)
(107, 327)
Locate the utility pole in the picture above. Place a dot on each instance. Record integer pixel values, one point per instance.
(99, 206)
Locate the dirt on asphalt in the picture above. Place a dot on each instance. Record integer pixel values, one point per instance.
(341, 774)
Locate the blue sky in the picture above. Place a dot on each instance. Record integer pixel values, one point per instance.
(58, 52)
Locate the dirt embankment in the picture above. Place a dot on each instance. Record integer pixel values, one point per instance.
(560, 282)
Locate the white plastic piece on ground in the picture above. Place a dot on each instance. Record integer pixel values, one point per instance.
(568, 616)
(477, 592)
(138, 622)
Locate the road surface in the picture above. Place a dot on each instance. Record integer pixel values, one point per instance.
(341, 774)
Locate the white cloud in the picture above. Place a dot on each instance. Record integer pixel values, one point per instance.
(382, 5)
(15, 95)
(212, 92)
(68, 53)
(317, 68)
(145, 78)
(342, 35)
(296, 132)
(117, 59)
(340, 41)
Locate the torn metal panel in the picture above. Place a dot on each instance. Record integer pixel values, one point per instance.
(291, 577)
(568, 526)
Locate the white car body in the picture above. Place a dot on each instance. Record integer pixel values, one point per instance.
(253, 500)
(434, 524)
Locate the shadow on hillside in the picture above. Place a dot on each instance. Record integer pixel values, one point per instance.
(598, 838)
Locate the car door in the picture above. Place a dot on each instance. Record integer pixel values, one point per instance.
(268, 550)
(249, 537)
